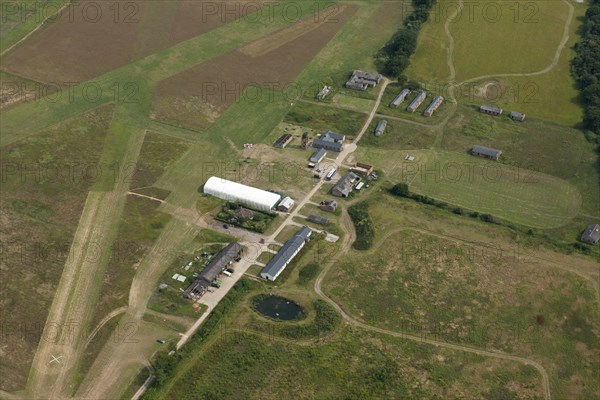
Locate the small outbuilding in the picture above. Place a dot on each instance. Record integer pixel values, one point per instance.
(317, 219)
(400, 98)
(491, 110)
(318, 156)
(329, 206)
(380, 127)
(486, 152)
(417, 102)
(591, 234)
(517, 116)
(286, 204)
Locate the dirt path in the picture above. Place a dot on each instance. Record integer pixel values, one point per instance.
(72, 304)
(104, 320)
(557, 55)
(350, 234)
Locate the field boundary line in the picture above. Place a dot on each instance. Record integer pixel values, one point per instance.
(67, 2)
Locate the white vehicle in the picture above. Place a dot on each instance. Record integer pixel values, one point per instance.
(330, 174)
(227, 273)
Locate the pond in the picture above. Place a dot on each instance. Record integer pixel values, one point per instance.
(277, 307)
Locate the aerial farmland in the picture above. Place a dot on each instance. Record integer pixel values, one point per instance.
(322, 199)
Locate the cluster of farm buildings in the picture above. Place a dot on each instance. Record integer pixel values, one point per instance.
(268, 201)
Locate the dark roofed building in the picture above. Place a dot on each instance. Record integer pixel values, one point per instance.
(517, 116)
(318, 156)
(327, 145)
(216, 266)
(486, 152)
(283, 141)
(435, 104)
(491, 110)
(344, 185)
(400, 98)
(286, 254)
(380, 127)
(591, 234)
(317, 219)
(329, 206)
(361, 80)
(332, 136)
(416, 102)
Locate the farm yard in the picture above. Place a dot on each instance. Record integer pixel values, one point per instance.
(187, 90)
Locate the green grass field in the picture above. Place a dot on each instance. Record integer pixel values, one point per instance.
(462, 289)
(542, 23)
(399, 135)
(518, 195)
(535, 145)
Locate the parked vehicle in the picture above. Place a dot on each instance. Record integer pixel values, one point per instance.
(227, 273)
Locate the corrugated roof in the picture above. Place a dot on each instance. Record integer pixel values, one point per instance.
(286, 253)
(487, 151)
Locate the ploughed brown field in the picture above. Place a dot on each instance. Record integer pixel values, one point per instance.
(197, 96)
(94, 37)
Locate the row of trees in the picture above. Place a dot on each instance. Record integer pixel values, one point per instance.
(586, 70)
(394, 57)
(365, 233)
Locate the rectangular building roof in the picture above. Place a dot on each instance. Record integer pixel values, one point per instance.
(400, 98)
(215, 267)
(286, 253)
(257, 199)
(380, 127)
(326, 144)
(318, 155)
(492, 109)
(591, 234)
(486, 151)
(344, 185)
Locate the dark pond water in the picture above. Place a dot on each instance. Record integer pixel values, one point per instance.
(277, 307)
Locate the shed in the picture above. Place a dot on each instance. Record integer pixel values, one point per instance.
(318, 156)
(491, 110)
(380, 127)
(286, 204)
(400, 98)
(486, 152)
(591, 234)
(317, 219)
(417, 102)
(517, 116)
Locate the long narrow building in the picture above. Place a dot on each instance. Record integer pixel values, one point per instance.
(216, 266)
(286, 254)
(254, 198)
(417, 102)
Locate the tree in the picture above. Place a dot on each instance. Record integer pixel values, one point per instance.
(401, 189)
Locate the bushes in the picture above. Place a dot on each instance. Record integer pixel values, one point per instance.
(586, 70)
(308, 272)
(363, 225)
(394, 57)
(165, 365)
